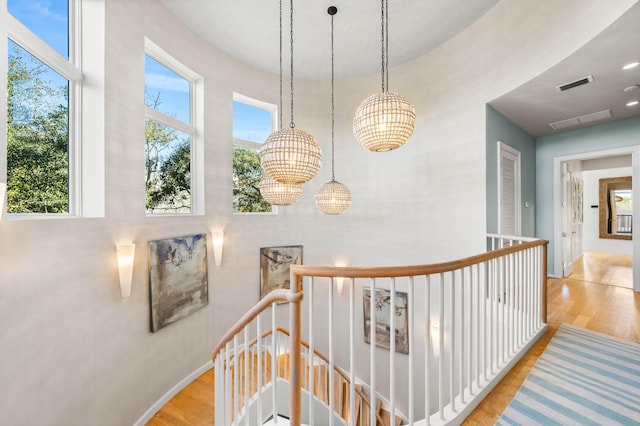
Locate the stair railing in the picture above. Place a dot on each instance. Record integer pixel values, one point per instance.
(456, 330)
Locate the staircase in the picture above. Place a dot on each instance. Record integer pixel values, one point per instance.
(417, 345)
(245, 376)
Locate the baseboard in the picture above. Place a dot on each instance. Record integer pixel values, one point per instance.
(171, 393)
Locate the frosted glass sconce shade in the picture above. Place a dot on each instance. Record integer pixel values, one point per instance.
(126, 254)
(218, 243)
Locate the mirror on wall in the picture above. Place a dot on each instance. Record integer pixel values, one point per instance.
(615, 208)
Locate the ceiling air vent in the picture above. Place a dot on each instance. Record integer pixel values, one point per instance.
(583, 119)
(575, 83)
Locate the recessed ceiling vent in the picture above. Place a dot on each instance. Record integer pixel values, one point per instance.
(575, 83)
(583, 119)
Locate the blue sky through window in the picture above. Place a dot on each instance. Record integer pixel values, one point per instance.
(251, 123)
(171, 90)
(25, 110)
(48, 19)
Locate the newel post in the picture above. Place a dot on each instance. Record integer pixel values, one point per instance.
(295, 343)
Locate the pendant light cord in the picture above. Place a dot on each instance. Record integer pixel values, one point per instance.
(386, 33)
(333, 174)
(281, 114)
(382, 43)
(291, 124)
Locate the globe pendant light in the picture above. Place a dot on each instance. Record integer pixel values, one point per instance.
(384, 121)
(333, 197)
(290, 155)
(277, 193)
(274, 192)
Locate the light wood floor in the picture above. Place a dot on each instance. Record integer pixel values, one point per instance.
(609, 309)
(604, 268)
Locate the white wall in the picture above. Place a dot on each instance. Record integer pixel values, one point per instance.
(74, 352)
(592, 240)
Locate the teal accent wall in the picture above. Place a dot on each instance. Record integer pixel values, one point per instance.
(591, 139)
(500, 129)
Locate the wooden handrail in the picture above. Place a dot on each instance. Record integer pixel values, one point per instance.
(280, 295)
(406, 271)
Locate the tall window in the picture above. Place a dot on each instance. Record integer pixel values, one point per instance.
(171, 136)
(253, 122)
(43, 82)
(54, 128)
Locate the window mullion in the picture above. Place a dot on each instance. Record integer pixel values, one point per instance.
(167, 120)
(39, 48)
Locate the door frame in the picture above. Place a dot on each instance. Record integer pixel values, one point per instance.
(503, 147)
(634, 150)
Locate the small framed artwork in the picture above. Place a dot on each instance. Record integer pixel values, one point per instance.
(275, 264)
(177, 278)
(382, 316)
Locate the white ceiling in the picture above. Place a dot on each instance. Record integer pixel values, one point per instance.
(248, 30)
(537, 103)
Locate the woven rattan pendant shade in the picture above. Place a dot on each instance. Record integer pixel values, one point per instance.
(279, 194)
(291, 156)
(384, 121)
(333, 198)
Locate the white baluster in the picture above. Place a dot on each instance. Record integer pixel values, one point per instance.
(412, 344)
(227, 403)
(452, 339)
(235, 379)
(427, 349)
(392, 347)
(331, 357)
(259, 346)
(372, 351)
(274, 364)
(312, 349)
(441, 351)
(246, 375)
(462, 338)
(352, 356)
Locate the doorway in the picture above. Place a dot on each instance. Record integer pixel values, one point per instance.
(590, 207)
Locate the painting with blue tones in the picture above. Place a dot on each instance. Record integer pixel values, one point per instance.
(177, 278)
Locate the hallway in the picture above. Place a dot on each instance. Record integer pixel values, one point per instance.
(604, 268)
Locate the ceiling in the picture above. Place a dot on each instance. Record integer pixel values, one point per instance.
(537, 103)
(248, 30)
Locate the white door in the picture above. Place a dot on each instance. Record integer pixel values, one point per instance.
(508, 190)
(567, 226)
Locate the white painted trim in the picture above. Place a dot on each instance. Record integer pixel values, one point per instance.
(172, 392)
(634, 150)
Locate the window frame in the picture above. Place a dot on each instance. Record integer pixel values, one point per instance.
(86, 192)
(194, 128)
(247, 144)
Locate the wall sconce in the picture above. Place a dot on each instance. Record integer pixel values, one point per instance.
(435, 337)
(126, 255)
(218, 243)
(3, 192)
(340, 280)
